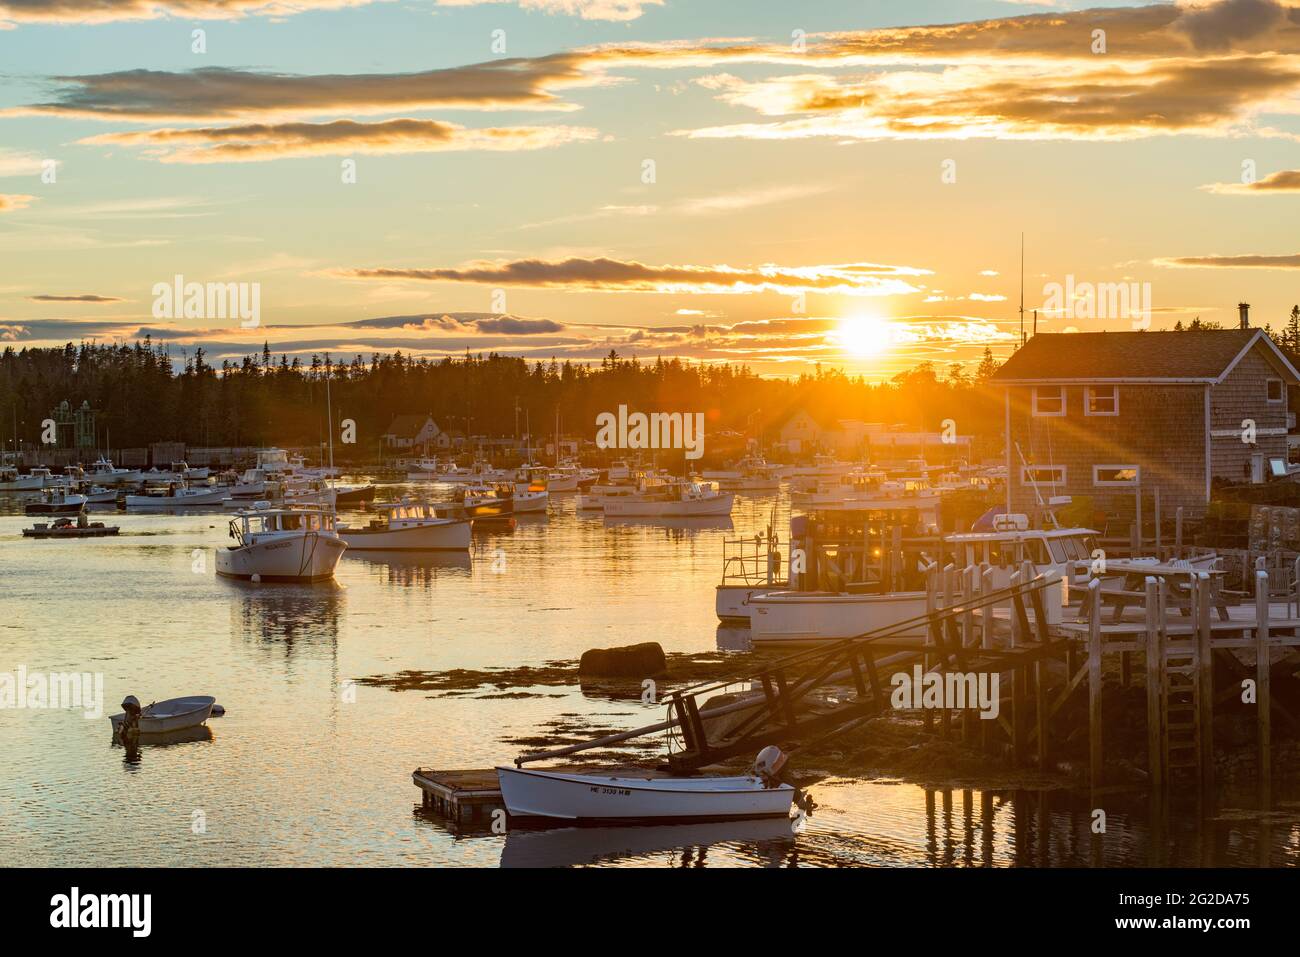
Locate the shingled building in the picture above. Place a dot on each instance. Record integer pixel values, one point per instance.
(1104, 414)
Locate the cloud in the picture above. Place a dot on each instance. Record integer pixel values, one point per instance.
(1218, 26)
(513, 325)
(218, 93)
(620, 10)
(88, 297)
(461, 322)
(606, 275)
(1283, 181)
(17, 163)
(11, 201)
(1099, 100)
(107, 11)
(262, 141)
(1250, 261)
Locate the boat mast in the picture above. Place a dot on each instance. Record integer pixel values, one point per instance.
(329, 413)
(1022, 288)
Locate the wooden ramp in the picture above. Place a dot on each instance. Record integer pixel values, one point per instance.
(816, 693)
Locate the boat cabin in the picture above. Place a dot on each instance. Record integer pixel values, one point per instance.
(260, 523)
(406, 513)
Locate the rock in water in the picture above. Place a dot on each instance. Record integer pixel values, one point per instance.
(630, 661)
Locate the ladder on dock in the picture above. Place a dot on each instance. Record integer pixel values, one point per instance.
(1181, 705)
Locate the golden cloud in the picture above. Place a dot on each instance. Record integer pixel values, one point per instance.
(605, 275)
(261, 141)
(12, 201)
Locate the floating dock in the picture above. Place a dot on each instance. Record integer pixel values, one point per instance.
(460, 796)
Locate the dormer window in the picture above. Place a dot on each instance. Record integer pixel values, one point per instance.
(1101, 400)
(1049, 400)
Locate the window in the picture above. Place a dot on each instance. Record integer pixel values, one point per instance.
(1102, 400)
(1049, 400)
(1116, 475)
(1043, 475)
(1275, 391)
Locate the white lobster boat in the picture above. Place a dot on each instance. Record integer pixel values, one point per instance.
(103, 473)
(794, 618)
(282, 545)
(670, 500)
(57, 500)
(34, 481)
(409, 526)
(607, 799)
(177, 496)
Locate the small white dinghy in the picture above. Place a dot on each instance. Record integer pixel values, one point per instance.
(174, 714)
(606, 799)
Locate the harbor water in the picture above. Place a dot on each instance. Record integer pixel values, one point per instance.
(311, 766)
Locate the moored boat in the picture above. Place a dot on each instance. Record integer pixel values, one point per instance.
(57, 500)
(409, 526)
(174, 714)
(671, 500)
(282, 545)
(615, 799)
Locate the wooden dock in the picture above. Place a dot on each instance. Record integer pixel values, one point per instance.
(461, 796)
(1175, 617)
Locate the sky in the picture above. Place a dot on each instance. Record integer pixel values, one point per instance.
(770, 183)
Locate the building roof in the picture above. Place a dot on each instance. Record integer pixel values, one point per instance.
(824, 418)
(408, 426)
(1202, 355)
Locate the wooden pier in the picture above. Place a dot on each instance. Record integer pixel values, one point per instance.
(1179, 621)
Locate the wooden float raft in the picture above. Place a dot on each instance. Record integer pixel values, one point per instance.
(470, 796)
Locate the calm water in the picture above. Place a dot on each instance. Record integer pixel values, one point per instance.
(294, 775)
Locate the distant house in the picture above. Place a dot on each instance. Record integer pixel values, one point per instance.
(802, 431)
(414, 432)
(1109, 415)
(897, 445)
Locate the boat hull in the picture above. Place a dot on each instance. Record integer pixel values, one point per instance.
(451, 535)
(595, 799)
(689, 508)
(183, 713)
(292, 559)
(731, 602)
(531, 502)
(793, 619)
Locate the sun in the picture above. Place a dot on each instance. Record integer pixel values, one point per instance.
(862, 335)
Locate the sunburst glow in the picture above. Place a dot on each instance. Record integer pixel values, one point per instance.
(862, 335)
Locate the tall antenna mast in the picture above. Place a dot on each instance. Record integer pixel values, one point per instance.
(1022, 288)
(329, 413)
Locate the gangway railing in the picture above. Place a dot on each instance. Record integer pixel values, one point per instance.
(779, 711)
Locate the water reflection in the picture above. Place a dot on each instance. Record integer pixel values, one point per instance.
(703, 523)
(284, 614)
(133, 752)
(733, 638)
(411, 568)
(764, 843)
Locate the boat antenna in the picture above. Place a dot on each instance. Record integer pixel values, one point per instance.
(329, 412)
(1050, 513)
(1022, 288)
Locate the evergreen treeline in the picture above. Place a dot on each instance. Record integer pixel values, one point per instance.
(139, 396)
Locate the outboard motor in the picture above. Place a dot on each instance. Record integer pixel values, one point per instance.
(768, 765)
(130, 730)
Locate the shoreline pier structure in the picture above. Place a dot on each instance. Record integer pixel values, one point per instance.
(1046, 641)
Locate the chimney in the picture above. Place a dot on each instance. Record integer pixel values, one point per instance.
(1243, 309)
